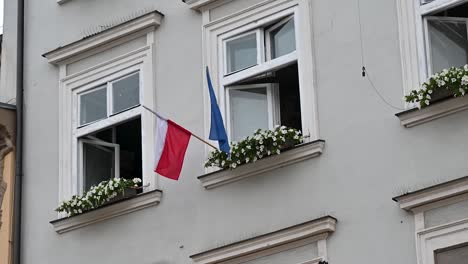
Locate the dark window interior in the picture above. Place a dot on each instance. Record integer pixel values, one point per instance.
(290, 103)
(128, 136)
(457, 11)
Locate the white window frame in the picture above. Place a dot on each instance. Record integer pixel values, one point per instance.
(274, 116)
(97, 143)
(316, 231)
(412, 15)
(267, 12)
(108, 86)
(258, 35)
(268, 39)
(452, 233)
(139, 60)
(428, 42)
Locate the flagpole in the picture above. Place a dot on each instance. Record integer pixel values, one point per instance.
(195, 136)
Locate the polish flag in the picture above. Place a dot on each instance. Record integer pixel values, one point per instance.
(171, 144)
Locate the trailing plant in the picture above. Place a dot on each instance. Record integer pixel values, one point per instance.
(263, 143)
(454, 80)
(97, 196)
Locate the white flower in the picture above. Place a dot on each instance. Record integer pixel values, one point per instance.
(233, 165)
(278, 151)
(111, 188)
(116, 185)
(296, 137)
(136, 180)
(274, 138)
(454, 80)
(464, 80)
(275, 144)
(428, 96)
(249, 147)
(222, 163)
(238, 162)
(426, 102)
(269, 153)
(242, 150)
(462, 91)
(247, 160)
(429, 91)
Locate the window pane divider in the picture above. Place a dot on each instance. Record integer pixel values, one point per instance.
(260, 69)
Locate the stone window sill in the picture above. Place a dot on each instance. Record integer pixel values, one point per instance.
(112, 210)
(414, 117)
(286, 158)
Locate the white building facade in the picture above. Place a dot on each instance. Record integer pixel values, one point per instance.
(376, 181)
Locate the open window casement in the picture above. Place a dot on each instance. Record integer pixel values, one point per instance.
(251, 107)
(261, 82)
(446, 42)
(99, 161)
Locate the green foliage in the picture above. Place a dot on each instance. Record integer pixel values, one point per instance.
(454, 80)
(97, 196)
(262, 144)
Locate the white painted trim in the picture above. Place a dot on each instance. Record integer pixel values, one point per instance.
(252, 18)
(433, 194)
(438, 110)
(272, 95)
(413, 40)
(260, 69)
(315, 230)
(143, 24)
(126, 206)
(295, 155)
(409, 47)
(139, 60)
(440, 237)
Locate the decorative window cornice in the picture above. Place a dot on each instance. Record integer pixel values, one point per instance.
(433, 194)
(105, 39)
(198, 4)
(318, 228)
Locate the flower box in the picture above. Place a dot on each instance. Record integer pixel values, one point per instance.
(287, 157)
(415, 116)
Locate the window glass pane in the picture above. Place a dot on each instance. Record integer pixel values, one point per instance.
(93, 106)
(98, 164)
(241, 53)
(448, 43)
(126, 93)
(249, 111)
(455, 255)
(283, 40)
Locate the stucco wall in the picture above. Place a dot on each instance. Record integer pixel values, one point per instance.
(368, 159)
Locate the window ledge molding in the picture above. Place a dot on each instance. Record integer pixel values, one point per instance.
(112, 210)
(414, 117)
(105, 39)
(198, 4)
(414, 200)
(286, 158)
(317, 229)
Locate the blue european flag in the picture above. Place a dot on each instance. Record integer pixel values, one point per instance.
(217, 130)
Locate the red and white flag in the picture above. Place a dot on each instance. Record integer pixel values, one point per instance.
(171, 144)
